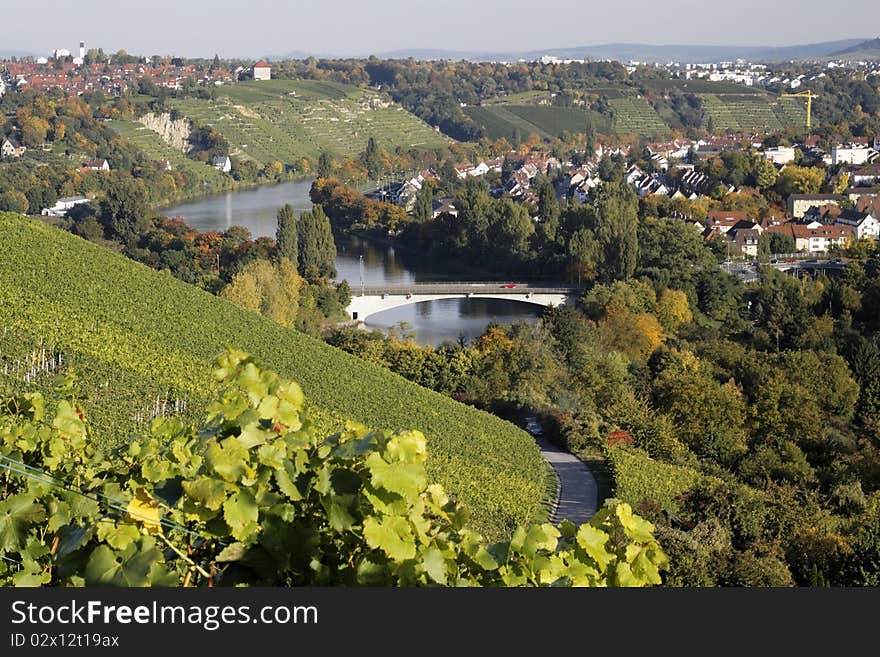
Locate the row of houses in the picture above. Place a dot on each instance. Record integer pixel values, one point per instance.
(115, 79)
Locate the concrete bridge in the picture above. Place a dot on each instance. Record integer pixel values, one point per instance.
(371, 299)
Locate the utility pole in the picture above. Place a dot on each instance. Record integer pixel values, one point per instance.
(361, 264)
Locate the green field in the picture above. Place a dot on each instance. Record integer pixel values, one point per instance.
(634, 115)
(135, 334)
(743, 113)
(547, 122)
(287, 120)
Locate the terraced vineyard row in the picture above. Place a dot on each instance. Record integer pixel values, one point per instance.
(742, 113)
(290, 120)
(634, 115)
(137, 333)
(500, 122)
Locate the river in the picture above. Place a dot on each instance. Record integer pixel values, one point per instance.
(430, 322)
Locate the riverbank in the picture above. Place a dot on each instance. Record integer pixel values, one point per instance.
(236, 186)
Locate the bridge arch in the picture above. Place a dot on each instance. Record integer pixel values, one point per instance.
(363, 307)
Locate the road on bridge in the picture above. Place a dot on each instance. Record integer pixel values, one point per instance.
(465, 288)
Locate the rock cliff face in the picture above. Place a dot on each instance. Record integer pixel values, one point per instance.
(175, 132)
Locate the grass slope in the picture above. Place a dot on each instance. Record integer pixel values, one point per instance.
(287, 120)
(135, 334)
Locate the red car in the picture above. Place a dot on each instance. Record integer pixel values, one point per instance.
(509, 286)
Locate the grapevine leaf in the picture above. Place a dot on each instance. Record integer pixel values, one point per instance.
(17, 514)
(286, 485)
(144, 509)
(67, 421)
(272, 455)
(26, 579)
(118, 536)
(207, 491)
(229, 460)
(338, 514)
(593, 542)
(232, 552)
(253, 435)
(434, 565)
(405, 479)
(391, 535)
(128, 567)
(408, 447)
(635, 527)
(241, 513)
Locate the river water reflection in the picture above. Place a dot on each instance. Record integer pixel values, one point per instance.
(358, 260)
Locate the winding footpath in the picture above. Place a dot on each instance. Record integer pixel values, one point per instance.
(577, 495)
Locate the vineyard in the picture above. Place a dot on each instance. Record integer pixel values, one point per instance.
(287, 120)
(256, 495)
(639, 479)
(141, 341)
(505, 120)
(636, 116)
(746, 113)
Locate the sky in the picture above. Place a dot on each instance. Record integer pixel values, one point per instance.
(246, 28)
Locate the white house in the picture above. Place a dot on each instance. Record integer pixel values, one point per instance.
(851, 154)
(262, 71)
(10, 148)
(866, 175)
(222, 163)
(864, 224)
(97, 165)
(63, 205)
(780, 154)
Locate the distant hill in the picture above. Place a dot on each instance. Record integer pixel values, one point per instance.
(689, 54)
(641, 52)
(9, 54)
(869, 49)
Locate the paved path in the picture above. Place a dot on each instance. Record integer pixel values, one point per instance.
(578, 494)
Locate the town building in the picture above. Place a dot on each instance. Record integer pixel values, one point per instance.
(63, 206)
(814, 238)
(96, 165)
(11, 148)
(865, 225)
(222, 163)
(852, 154)
(262, 71)
(780, 154)
(798, 204)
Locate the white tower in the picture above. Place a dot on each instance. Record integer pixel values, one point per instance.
(82, 49)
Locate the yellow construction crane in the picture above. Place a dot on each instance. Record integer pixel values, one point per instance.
(809, 95)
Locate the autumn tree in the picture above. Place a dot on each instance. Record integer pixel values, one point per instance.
(673, 309)
(800, 180)
(273, 290)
